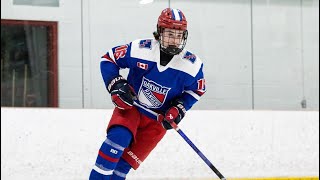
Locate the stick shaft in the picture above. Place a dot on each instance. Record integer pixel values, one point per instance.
(194, 147)
(202, 156)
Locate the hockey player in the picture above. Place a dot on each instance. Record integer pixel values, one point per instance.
(163, 77)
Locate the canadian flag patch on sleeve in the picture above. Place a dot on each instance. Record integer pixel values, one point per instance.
(142, 65)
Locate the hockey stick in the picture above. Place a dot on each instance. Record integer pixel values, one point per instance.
(194, 147)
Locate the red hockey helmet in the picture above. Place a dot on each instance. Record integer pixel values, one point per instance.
(172, 19)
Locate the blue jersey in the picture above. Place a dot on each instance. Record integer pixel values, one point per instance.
(156, 85)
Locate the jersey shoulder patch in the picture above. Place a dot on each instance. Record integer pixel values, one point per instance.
(146, 43)
(144, 49)
(189, 56)
(186, 62)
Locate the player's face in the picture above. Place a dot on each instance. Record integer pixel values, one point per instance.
(172, 37)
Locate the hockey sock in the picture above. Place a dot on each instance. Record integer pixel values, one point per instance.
(121, 170)
(118, 138)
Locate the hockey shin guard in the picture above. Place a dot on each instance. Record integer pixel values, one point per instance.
(118, 138)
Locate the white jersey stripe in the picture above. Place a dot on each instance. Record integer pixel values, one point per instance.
(196, 96)
(176, 14)
(112, 56)
(105, 59)
(96, 168)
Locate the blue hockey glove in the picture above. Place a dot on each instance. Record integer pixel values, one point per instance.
(122, 94)
(174, 114)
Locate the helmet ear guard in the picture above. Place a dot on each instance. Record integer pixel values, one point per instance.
(156, 35)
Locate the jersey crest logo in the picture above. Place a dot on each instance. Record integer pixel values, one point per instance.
(151, 94)
(120, 52)
(145, 44)
(191, 57)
